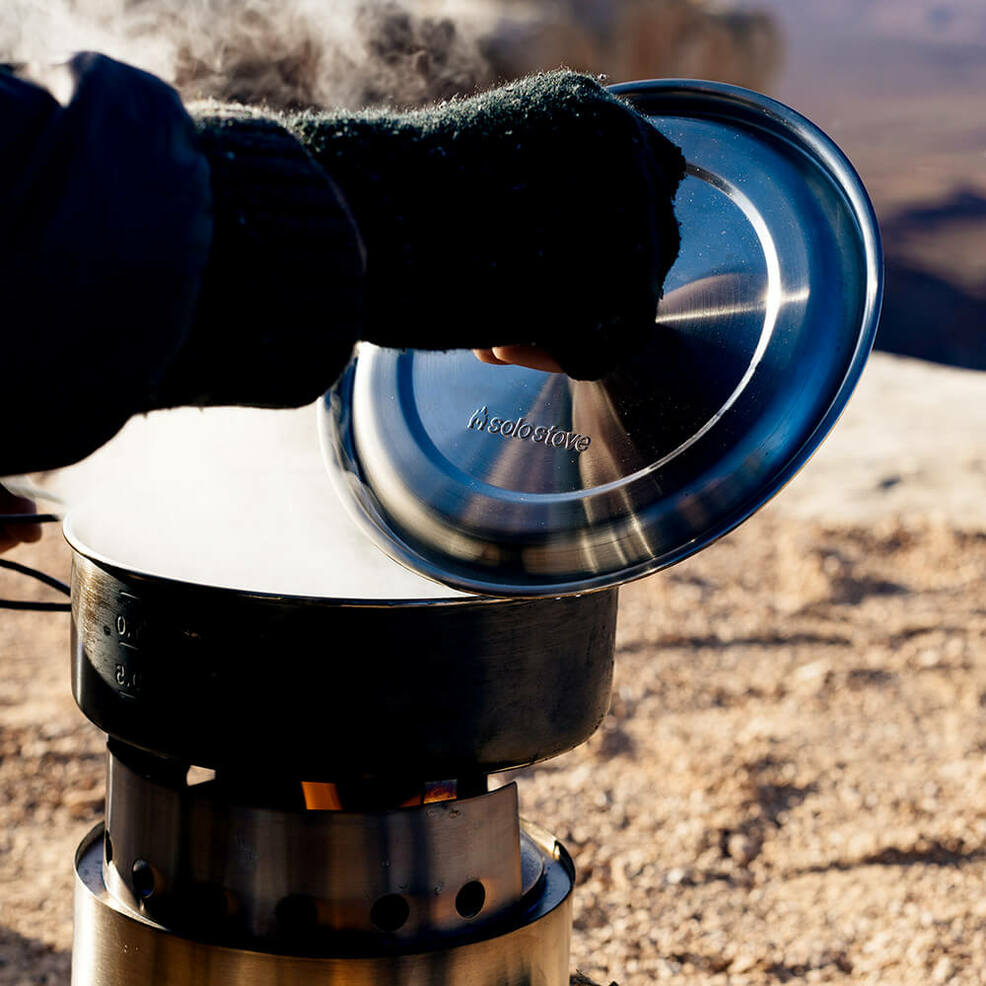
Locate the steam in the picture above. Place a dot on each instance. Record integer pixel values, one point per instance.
(300, 53)
(284, 53)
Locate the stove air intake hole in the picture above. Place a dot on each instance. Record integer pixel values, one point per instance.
(470, 899)
(390, 912)
(142, 875)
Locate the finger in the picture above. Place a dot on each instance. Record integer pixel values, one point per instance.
(530, 356)
(14, 534)
(29, 533)
(10, 503)
(486, 356)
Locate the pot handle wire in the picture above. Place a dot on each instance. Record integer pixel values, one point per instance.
(6, 519)
(33, 573)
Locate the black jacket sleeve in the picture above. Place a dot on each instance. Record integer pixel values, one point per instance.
(149, 260)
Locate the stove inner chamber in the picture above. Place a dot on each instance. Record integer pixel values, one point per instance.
(190, 858)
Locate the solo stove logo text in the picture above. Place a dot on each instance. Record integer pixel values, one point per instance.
(552, 435)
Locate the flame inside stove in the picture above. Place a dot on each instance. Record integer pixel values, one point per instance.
(326, 796)
(321, 796)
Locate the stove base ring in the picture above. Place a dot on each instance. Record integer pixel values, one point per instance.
(115, 946)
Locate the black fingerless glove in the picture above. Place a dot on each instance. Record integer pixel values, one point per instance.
(537, 213)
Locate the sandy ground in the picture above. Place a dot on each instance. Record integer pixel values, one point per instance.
(790, 785)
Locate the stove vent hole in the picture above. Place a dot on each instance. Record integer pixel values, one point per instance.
(470, 899)
(390, 912)
(142, 875)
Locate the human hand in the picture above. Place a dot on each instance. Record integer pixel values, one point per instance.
(13, 534)
(533, 356)
(532, 223)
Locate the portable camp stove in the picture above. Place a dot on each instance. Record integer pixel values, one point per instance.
(395, 714)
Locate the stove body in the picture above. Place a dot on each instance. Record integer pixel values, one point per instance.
(210, 868)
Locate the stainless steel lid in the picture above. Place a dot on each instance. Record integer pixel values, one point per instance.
(511, 481)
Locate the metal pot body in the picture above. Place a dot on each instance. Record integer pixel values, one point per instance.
(330, 689)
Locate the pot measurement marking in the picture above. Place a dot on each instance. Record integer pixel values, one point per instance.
(129, 630)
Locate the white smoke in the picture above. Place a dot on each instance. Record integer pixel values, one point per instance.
(292, 53)
(279, 52)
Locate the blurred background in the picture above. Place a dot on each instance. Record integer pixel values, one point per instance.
(791, 784)
(898, 84)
